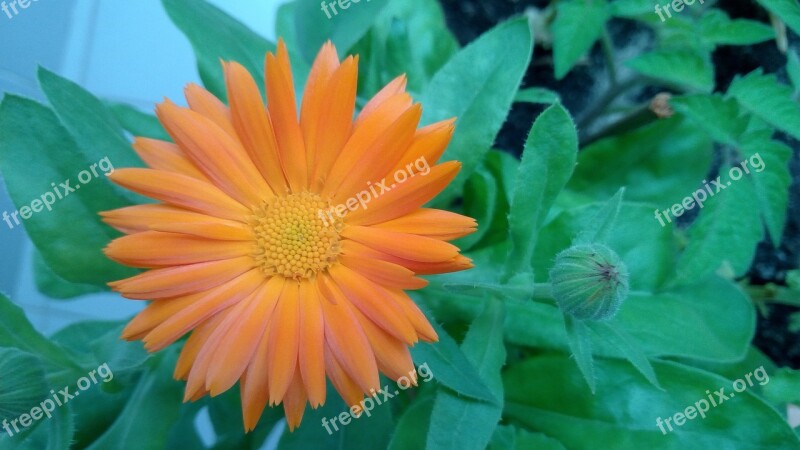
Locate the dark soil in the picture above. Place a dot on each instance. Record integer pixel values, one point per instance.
(470, 18)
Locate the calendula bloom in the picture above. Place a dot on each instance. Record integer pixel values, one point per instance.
(243, 249)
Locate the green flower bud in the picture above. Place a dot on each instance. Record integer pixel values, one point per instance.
(589, 282)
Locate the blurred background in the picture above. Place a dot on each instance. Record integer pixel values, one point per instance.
(119, 50)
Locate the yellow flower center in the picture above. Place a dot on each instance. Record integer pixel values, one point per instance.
(293, 238)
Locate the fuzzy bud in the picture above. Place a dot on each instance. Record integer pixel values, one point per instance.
(589, 282)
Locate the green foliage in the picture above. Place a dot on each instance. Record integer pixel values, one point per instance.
(510, 370)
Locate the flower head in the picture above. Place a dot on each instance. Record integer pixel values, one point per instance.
(284, 242)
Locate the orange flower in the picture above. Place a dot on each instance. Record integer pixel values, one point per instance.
(248, 248)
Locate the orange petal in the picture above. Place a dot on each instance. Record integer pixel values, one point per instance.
(283, 111)
(374, 302)
(151, 249)
(219, 229)
(433, 223)
(345, 338)
(415, 315)
(195, 382)
(154, 315)
(350, 391)
(138, 218)
(392, 355)
(406, 197)
(284, 341)
(381, 155)
(421, 268)
(312, 340)
(205, 103)
(396, 86)
(182, 280)
(294, 403)
(429, 144)
(365, 140)
(218, 155)
(383, 273)
(161, 155)
(238, 346)
(253, 125)
(255, 384)
(335, 122)
(208, 304)
(193, 345)
(403, 245)
(180, 190)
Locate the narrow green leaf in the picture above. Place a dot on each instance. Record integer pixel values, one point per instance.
(793, 69)
(625, 410)
(768, 99)
(460, 423)
(721, 221)
(547, 164)
(38, 158)
(94, 129)
(509, 437)
(578, 25)
(537, 95)
(683, 67)
(481, 203)
(215, 35)
(768, 163)
(412, 428)
(50, 284)
(783, 386)
(450, 367)
(154, 407)
(718, 29)
(477, 86)
(721, 118)
(628, 348)
(601, 226)
(787, 10)
(580, 344)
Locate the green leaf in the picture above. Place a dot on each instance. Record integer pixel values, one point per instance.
(537, 95)
(654, 163)
(412, 428)
(783, 386)
(768, 99)
(657, 321)
(721, 221)
(17, 332)
(138, 123)
(793, 69)
(153, 406)
(631, 8)
(512, 438)
(94, 129)
(461, 423)
(682, 67)
(722, 119)
(451, 367)
(787, 10)
(481, 203)
(38, 156)
(478, 86)
(22, 386)
(625, 409)
(601, 226)
(627, 347)
(215, 35)
(50, 284)
(342, 25)
(578, 24)
(580, 344)
(100, 341)
(547, 164)
(718, 29)
(768, 162)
